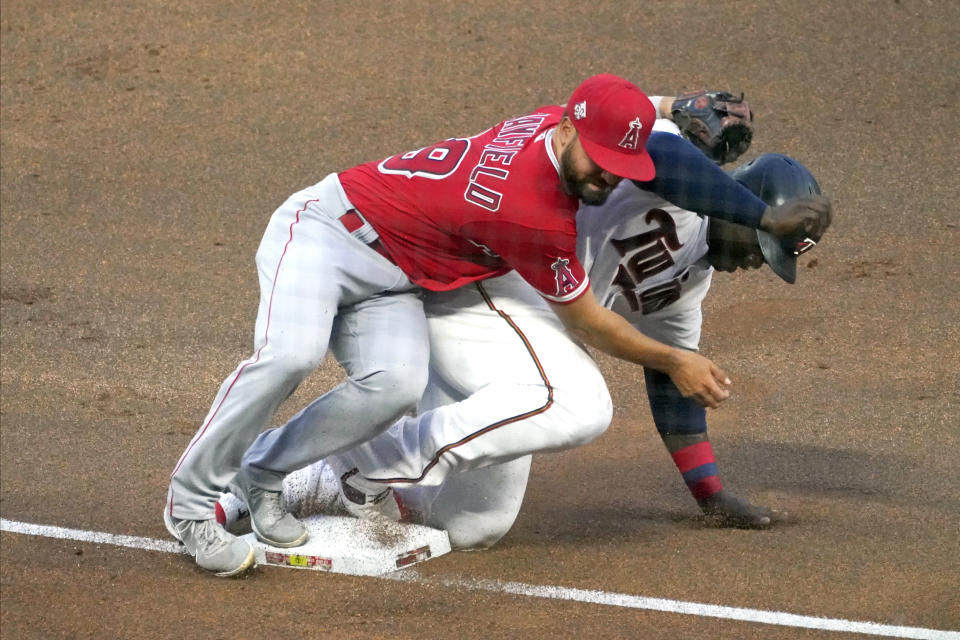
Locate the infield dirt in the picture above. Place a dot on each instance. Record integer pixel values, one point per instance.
(145, 144)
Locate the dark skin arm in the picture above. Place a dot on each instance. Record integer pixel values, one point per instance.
(690, 180)
(812, 214)
(696, 377)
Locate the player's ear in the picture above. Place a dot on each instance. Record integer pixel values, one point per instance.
(565, 131)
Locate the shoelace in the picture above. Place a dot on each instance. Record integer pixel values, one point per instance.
(210, 536)
(272, 502)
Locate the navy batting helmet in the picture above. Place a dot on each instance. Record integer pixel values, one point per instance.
(776, 178)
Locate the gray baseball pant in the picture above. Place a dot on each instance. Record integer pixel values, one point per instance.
(320, 287)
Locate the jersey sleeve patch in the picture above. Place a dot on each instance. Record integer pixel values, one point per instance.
(567, 286)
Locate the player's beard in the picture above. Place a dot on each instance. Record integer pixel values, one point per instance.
(587, 191)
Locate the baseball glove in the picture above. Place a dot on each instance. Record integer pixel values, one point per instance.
(719, 123)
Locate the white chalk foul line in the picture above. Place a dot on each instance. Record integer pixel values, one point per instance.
(134, 542)
(538, 591)
(696, 609)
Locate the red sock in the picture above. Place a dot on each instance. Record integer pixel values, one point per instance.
(699, 469)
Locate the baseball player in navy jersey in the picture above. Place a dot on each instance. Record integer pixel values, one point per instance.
(342, 265)
(649, 261)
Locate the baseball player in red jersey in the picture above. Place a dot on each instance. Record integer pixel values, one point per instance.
(478, 376)
(341, 265)
(649, 261)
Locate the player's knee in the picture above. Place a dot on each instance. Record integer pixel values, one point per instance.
(399, 388)
(474, 539)
(293, 363)
(473, 532)
(585, 413)
(594, 418)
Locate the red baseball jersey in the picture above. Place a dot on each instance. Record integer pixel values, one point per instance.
(467, 209)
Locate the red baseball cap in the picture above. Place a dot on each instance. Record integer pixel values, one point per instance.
(614, 119)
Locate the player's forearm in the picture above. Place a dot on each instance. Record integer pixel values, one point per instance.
(690, 180)
(607, 331)
(626, 343)
(695, 376)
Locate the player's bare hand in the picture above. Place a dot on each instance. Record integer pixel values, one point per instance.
(700, 379)
(809, 216)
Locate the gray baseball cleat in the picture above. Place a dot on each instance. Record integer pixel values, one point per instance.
(366, 500)
(213, 548)
(269, 521)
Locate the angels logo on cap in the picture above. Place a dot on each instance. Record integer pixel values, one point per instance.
(633, 135)
(613, 119)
